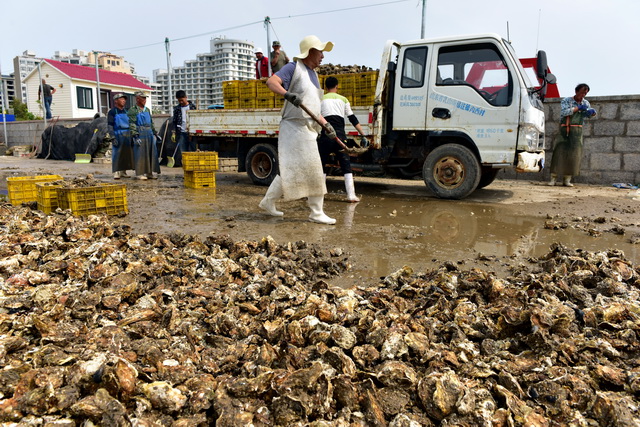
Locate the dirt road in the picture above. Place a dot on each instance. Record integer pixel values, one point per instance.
(397, 222)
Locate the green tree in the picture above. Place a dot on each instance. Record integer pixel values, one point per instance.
(21, 111)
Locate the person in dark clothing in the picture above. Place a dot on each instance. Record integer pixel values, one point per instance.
(118, 130)
(180, 134)
(47, 98)
(334, 108)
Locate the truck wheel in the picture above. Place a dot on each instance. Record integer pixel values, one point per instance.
(487, 176)
(262, 163)
(451, 171)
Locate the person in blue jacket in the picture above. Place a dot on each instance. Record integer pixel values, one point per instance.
(144, 136)
(118, 129)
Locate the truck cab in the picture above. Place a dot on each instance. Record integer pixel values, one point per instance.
(456, 110)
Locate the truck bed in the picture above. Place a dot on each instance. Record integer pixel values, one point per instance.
(254, 122)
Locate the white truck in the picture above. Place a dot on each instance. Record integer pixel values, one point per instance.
(455, 110)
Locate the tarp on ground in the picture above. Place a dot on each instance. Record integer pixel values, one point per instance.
(63, 143)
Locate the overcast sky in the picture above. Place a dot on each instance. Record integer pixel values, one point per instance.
(587, 41)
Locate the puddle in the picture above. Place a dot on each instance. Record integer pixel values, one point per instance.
(385, 231)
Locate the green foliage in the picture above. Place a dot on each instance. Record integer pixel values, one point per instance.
(21, 111)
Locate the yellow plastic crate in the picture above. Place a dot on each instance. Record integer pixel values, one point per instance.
(248, 102)
(200, 161)
(278, 102)
(47, 195)
(248, 88)
(264, 102)
(231, 104)
(104, 198)
(23, 188)
(363, 100)
(231, 89)
(262, 91)
(366, 82)
(199, 179)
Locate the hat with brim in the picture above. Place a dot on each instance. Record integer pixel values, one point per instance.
(140, 93)
(312, 42)
(119, 95)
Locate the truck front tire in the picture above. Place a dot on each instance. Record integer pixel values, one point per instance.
(451, 171)
(262, 163)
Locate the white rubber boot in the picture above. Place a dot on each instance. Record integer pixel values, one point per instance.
(351, 191)
(552, 181)
(567, 181)
(274, 193)
(317, 214)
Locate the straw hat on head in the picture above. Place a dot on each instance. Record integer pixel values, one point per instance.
(312, 42)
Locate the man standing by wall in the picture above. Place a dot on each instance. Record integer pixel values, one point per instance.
(47, 98)
(118, 130)
(278, 57)
(180, 124)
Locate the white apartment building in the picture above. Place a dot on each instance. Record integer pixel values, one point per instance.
(201, 78)
(23, 65)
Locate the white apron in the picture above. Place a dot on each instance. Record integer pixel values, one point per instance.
(300, 165)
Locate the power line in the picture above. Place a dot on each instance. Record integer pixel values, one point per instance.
(256, 22)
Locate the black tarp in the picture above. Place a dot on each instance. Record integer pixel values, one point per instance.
(62, 143)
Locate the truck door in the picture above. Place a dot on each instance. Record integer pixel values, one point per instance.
(474, 93)
(410, 99)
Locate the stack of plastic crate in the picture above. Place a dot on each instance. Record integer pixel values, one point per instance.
(200, 169)
(365, 88)
(265, 98)
(248, 90)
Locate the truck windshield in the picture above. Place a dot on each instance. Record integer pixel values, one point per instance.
(480, 66)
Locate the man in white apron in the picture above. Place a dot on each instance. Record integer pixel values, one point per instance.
(301, 173)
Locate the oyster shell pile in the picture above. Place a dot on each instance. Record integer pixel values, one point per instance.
(103, 327)
(327, 69)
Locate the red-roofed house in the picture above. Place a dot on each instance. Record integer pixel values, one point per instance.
(76, 88)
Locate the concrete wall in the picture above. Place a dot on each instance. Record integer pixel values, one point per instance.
(611, 140)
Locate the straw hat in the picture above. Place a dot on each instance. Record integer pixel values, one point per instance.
(312, 42)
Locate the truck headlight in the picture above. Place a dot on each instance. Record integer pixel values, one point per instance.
(533, 138)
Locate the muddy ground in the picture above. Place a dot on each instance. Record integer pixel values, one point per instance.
(397, 222)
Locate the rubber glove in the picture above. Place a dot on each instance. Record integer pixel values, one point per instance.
(293, 98)
(582, 107)
(591, 112)
(173, 136)
(329, 131)
(137, 140)
(364, 142)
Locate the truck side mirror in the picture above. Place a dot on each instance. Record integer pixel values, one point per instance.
(541, 65)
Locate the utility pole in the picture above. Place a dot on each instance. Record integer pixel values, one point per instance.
(166, 46)
(44, 110)
(267, 22)
(95, 58)
(424, 17)
(4, 109)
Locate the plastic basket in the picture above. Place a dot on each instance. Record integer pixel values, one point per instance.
(231, 104)
(23, 188)
(231, 89)
(105, 198)
(200, 161)
(264, 102)
(363, 100)
(278, 102)
(248, 103)
(47, 195)
(199, 179)
(262, 91)
(248, 88)
(366, 82)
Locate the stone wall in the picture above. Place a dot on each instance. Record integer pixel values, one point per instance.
(611, 150)
(611, 140)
